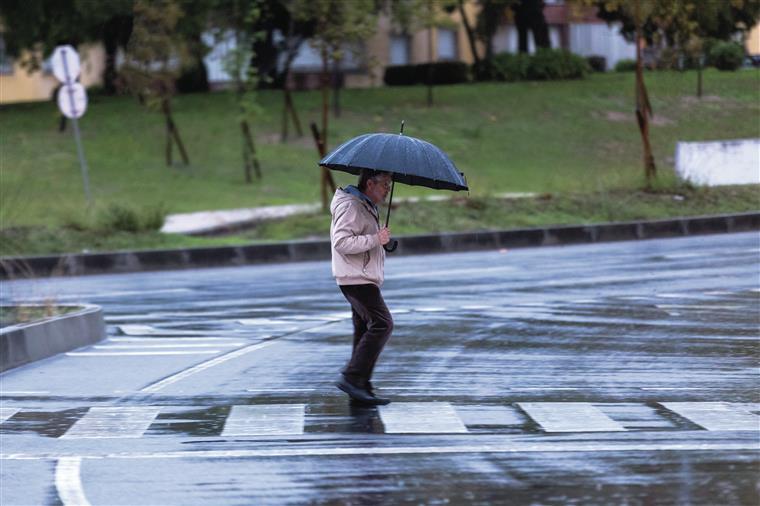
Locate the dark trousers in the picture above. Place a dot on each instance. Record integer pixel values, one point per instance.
(373, 325)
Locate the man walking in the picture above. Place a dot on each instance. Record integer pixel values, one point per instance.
(358, 260)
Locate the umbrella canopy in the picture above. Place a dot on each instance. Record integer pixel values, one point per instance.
(409, 160)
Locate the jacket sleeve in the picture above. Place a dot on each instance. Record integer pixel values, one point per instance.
(345, 238)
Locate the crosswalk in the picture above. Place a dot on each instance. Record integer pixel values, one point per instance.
(101, 422)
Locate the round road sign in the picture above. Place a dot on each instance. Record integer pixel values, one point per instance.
(72, 100)
(65, 62)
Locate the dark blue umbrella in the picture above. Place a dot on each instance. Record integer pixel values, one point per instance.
(409, 160)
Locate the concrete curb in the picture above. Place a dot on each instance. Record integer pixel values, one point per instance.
(301, 251)
(24, 343)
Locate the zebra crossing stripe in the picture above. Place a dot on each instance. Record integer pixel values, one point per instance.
(6, 413)
(113, 422)
(421, 418)
(265, 420)
(570, 417)
(718, 415)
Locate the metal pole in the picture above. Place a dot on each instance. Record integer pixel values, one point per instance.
(77, 136)
(82, 161)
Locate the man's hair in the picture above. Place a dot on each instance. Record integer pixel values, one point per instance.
(367, 174)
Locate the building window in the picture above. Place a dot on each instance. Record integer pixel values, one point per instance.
(447, 44)
(6, 62)
(400, 50)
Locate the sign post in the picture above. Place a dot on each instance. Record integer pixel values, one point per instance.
(72, 101)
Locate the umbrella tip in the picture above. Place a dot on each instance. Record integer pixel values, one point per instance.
(402, 128)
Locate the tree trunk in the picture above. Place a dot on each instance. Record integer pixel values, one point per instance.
(249, 152)
(430, 56)
(293, 45)
(336, 84)
(522, 25)
(699, 76)
(643, 106)
(325, 96)
(539, 27)
(172, 132)
(470, 34)
(325, 176)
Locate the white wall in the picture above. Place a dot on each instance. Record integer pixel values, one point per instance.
(601, 39)
(719, 162)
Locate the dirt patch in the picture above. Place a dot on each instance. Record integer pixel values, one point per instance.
(660, 120)
(305, 141)
(691, 99)
(618, 117)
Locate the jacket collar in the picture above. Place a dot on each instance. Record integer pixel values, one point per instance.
(356, 192)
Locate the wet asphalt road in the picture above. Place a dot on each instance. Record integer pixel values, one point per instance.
(607, 374)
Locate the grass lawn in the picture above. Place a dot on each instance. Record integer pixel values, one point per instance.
(576, 140)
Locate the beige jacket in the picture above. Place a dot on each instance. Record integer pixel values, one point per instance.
(358, 257)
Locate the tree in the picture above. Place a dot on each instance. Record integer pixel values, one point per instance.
(491, 14)
(154, 59)
(639, 12)
(38, 26)
(410, 16)
(686, 24)
(338, 26)
(529, 15)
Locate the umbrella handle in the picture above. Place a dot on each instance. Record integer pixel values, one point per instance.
(392, 245)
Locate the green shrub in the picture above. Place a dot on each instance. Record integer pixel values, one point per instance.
(400, 75)
(597, 63)
(548, 64)
(625, 66)
(120, 218)
(153, 218)
(510, 66)
(726, 55)
(444, 72)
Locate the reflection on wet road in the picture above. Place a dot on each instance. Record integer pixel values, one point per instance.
(608, 374)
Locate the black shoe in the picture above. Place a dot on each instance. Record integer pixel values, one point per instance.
(359, 394)
(382, 401)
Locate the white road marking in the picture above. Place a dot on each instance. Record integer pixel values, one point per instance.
(155, 387)
(280, 389)
(68, 482)
(569, 417)
(262, 321)
(265, 420)
(113, 422)
(490, 415)
(718, 415)
(535, 389)
(6, 413)
(673, 388)
(170, 339)
(510, 447)
(148, 330)
(137, 353)
(23, 392)
(696, 306)
(421, 418)
(135, 346)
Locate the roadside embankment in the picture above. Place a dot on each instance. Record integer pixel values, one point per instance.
(300, 251)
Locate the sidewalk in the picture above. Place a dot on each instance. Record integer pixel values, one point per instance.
(229, 220)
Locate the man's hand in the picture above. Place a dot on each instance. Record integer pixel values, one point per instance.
(384, 235)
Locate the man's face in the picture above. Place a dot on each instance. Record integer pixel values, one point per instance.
(377, 189)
